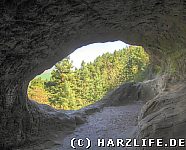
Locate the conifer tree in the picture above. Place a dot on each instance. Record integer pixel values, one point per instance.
(72, 88)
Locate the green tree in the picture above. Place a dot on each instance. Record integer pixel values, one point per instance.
(37, 92)
(60, 85)
(72, 88)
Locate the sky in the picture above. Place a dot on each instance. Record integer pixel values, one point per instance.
(89, 52)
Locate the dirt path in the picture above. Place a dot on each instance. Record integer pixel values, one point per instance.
(111, 122)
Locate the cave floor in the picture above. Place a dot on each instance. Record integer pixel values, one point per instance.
(110, 123)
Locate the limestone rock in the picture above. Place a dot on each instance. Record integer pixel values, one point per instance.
(164, 116)
(35, 34)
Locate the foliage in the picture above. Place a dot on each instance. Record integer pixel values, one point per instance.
(37, 92)
(72, 88)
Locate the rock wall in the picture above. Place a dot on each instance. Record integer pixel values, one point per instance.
(163, 116)
(35, 34)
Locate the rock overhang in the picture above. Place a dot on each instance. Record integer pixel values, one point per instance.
(35, 34)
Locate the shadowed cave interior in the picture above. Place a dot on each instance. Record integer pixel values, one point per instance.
(37, 34)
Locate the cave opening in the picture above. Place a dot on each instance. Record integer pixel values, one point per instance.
(36, 34)
(88, 74)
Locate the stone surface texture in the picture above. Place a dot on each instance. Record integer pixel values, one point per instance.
(35, 34)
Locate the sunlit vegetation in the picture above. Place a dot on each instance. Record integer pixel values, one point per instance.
(37, 92)
(70, 88)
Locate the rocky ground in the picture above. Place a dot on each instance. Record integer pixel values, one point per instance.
(110, 122)
(131, 110)
(37, 34)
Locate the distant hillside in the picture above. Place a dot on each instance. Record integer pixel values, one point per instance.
(45, 75)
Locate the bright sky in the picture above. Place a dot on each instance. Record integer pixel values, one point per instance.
(90, 52)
